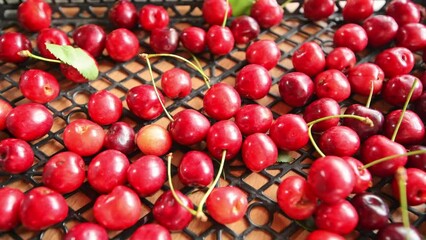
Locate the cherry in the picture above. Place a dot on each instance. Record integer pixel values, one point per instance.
(29, 121)
(412, 36)
(169, 213)
(372, 210)
(122, 203)
(227, 204)
(253, 118)
(176, 83)
(214, 11)
(164, 40)
(320, 108)
(122, 44)
(244, 29)
(363, 179)
(153, 139)
(357, 10)
(319, 234)
(153, 16)
(259, 152)
(83, 137)
(221, 101)
(120, 136)
(224, 135)
(419, 106)
(296, 88)
(151, 231)
(143, 102)
(193, 39)
(189, 127)
(416, 187)
(378, 146)
(51, 35)
(363, 76)
(147, 175)
(295, 198)
(411, 131)
(396, 90)
(34, 15)
(403, 12)
(352, 36)
(380, 29)
(72, 74)
(398, 231)
(90, 37)
(86, 230)
(263, 52)
(10, 201)
(332, 83)
(219, 40)
(104, 107)
(16, 155)
(339, 141)
(331, 179)
(196, 169)
(38, 86)
(64, 172)
(395, 61)
(364, 130)
(309, 59)
(11, 43)
(123, 14)
(318, 9)
(5, 109)
(253, 81)
(267, 13)
(39, 201)
(419, 160)
(289, 132)
(341, 58)
(340, 217)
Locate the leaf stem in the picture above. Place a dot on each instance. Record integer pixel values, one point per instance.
(156, 90)
(26, 53)
(401, 177)
(200, 212)
(313, 141)
(362, 119)
(404, 109)
(226, 14)
(370, 95)
(384, 159)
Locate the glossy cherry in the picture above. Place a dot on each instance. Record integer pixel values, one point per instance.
(263, 52)
(104, 107)
(357, 10)
(398, 231)
(10, 201)
(83, 137)
(296, 88)
(214, 11)
(86, 230)
(267, 13)
(153, 139)
(176, 83)
(419, 106)
(418, 160)
(151, 231)
(147, 175)
(259, 152)
(143, 102)
(412, 36)
(90, 37)
(295, 198)
(364, 130)
(221, 101)
(123, 14)
(39, 86)
(227, 204)
(189, 127)
(396, 89)
(196, 169)
(64, 172)
(29, 121)
(319, 234)
(361, 76)
(340, 58)
(34, 15)
(219, 40)
(244, 29)
(332, 83)
(72, 74)
(380, 29)
(120, 136)
(363, 178)
(289, 132)
(411, 131)
(253, 81)
(416, 187)
(309, 59)
(318, 9)
(340, 217)
(372, 210)
(352, 36)
(16, 155)
(253, 118)
(153, 16)
(224, 135)
(122, 44)
(395, 61)
(11, 43)
(5, 109)
(320, 108)
(51, 35)
(403, 12)
(164, 40)
(339, 141)
(193, 39)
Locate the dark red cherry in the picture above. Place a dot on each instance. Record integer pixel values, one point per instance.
(169, 213)
(189, 127)
(263, 52)
(123, 14)
(51, 35)
(196, 169)
(219, 40)
(318, 9)
(418, 160)
(253, 81)
(253, 118)
(372, 210)
(289, 132)
(357, 10)
(121, 137)
(411, 131)
(309, 59)
(380, 29)
(193, 39)
(164, 40)
(352, 36)
(340, 218)
(90, 37)
(361, 76)
(224, 135)
(332, 83)
(244, 29)
(398, 231)
(214, 11)
(153, 16)
(34, 15)
(11, 43)
(395, 61)
(412, 36)
(420, 106)
(259, 152)
(143, 102)
(403, 12)
(320, 108)
(364, 130)
(296, 88)
(341, 58)
(339, 141)
(396, 89)
(221, 101)
(267, 13)
(415, 187)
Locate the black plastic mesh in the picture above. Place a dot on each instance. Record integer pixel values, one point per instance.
(263, 219)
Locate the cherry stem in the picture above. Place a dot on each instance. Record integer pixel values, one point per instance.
(226, 14)
(285, 3)
(401, 177)
(156, 90)
(26, 53)
(313, 141)
(404, 109)
(144, 55)
(200, 212)
(370, 95)
(200, 67)
(362, 119)
(384, 159)
(172, 189)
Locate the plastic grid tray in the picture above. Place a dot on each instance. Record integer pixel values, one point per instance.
(263, 220)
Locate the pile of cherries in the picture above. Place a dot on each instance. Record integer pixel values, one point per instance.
(334, 194)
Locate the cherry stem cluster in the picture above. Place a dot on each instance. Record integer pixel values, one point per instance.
(387, 158)
(401, 178)
(311, 124)
(404, 109)
(26, 53)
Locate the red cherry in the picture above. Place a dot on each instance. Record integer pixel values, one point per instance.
(418, 160)
(380, 29)
(309, 59)
(34, 15)
(395, 61)
(332, 83)
(123, 14)
(295, 198)
(412, 36)
(357, 10)
(214, 11)
(403, 12)
(320, 108)
(341, 58)
(318, 9)
(372, 210)
(151, 231)
(267, 13)
(16, 155)
(244, 29)
(339, 141)
(221, 101)
(86, 230)
(364, 130)
(122, 203)
(398, 231)
(176, 83)
(143, 102)
(259, 152)
(361, 75)
(193, 39)
(352, 36)
(253, 81)
(224, 135)
(39, 86)
(227, 204)
(51, 35)
(83, 137)
(122, 45)
(147, 175)
(263, 52)
(253, 118)
(120, 136)
(219, 40)
(340, 217)
(10, 201)
(396, 89)
(411, 131)
(296, 88)
(363, 179)
(164, 40)
(90, 37)
(170, 214)
(189, 127)
(72, 74)
(153, 16)
(196, 169)
(5, 109)
(416, 187)
(324, 235)
(289, 132)
(11, 43)
(153, 139)
(104, 107)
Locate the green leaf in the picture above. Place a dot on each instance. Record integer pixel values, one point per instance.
(284, 157)
(241, 7)
(76, 57)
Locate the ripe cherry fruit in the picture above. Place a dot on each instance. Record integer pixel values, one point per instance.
(259, 152)
(196, 169)
(123, 14)
(34, 15)
(16, 155)
(10, 201)
(263, 52)
(153, 16)
(11, 43)
(147, 175)
(104, 107)
(83, 137)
